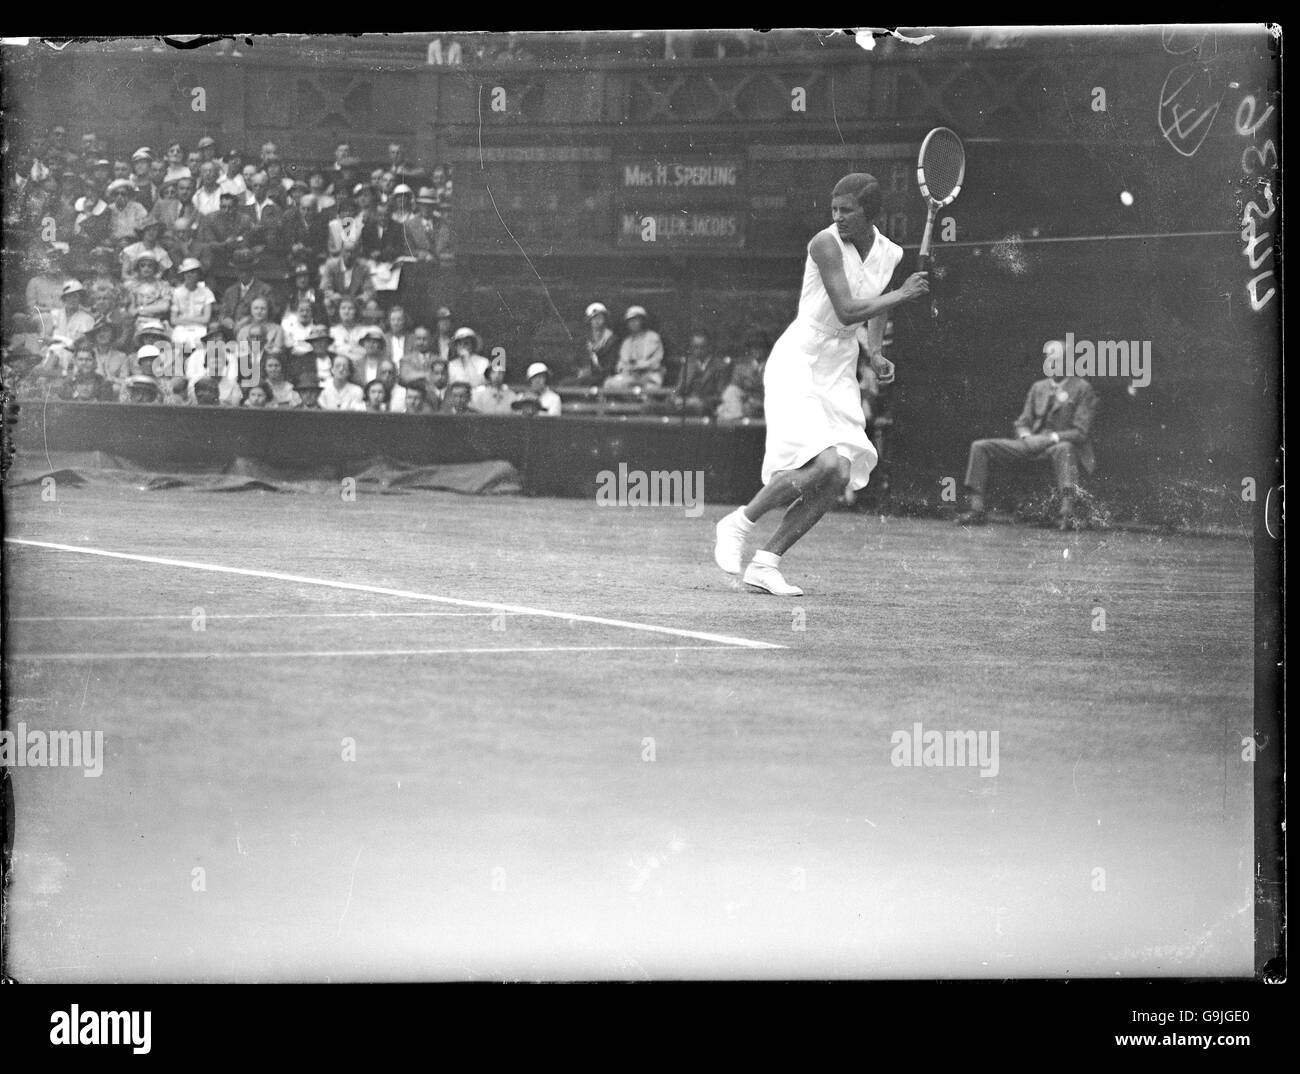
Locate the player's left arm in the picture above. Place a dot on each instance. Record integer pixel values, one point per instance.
(874, 345)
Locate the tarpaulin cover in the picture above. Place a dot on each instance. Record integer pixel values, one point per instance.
(492, 477)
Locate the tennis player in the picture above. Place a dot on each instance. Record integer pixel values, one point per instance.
(816, 436)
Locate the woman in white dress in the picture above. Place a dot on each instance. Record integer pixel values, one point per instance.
(816, 439)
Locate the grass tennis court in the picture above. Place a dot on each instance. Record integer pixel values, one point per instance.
(502, 817)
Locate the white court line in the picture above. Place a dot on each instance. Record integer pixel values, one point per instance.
(249, 615)
(357, 587)
(289, 654)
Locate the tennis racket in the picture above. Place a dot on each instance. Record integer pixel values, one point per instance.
(940, 169)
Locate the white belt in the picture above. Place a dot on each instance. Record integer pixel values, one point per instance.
(827, 330)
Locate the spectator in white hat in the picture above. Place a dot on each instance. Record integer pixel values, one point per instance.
(125, 213)
(192, 306)
(72, 320)
(140, 387)
(399, 203)
(146, 191)
(640, 355)
(323, 349)
(147, 295)
(375, 346)
(467, 364)
(137, 386)
(150, 242)
(91, 226)
(548, 403)
(599, 357)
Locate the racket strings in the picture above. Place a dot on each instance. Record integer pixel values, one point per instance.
(942, 165)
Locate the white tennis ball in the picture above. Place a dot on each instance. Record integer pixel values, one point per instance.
(1125, 198)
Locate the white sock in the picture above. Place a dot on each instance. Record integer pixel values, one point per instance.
(738, 519)
(766, 559)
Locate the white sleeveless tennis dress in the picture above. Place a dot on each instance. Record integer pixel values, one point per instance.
(811, 398)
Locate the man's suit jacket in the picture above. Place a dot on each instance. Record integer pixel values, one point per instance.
(235, 308)
(390, 243)
(416, 366)
(332, 278)
(706, 382)
(272, 216)
(215, 232)
(313, 233)
(408, 347)
(1070, 417)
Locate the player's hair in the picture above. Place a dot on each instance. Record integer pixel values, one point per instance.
(864, 188)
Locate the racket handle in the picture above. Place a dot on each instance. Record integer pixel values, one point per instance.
(923, 258)
(924, 261)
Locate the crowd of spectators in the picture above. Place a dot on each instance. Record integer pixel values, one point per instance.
(202, 277)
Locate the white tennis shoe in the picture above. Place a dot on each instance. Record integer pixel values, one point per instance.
(769, 580)
(729, 550)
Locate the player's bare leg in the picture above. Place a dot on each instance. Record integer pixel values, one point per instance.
(822, 480)
(785, 488)
(805, 512)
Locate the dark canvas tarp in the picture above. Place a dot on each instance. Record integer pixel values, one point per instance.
(492, 477)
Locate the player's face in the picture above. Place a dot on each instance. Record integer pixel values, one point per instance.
(849, 218)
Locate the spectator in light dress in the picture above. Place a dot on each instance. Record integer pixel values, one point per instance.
(640, 355)
(339, 393)
(494, 397)
(467, 364)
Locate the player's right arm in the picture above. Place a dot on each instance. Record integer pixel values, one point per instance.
(826, 255)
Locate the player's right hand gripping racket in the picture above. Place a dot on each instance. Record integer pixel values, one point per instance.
(940, 169)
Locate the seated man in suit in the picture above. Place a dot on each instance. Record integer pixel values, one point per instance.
(1055, 426)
